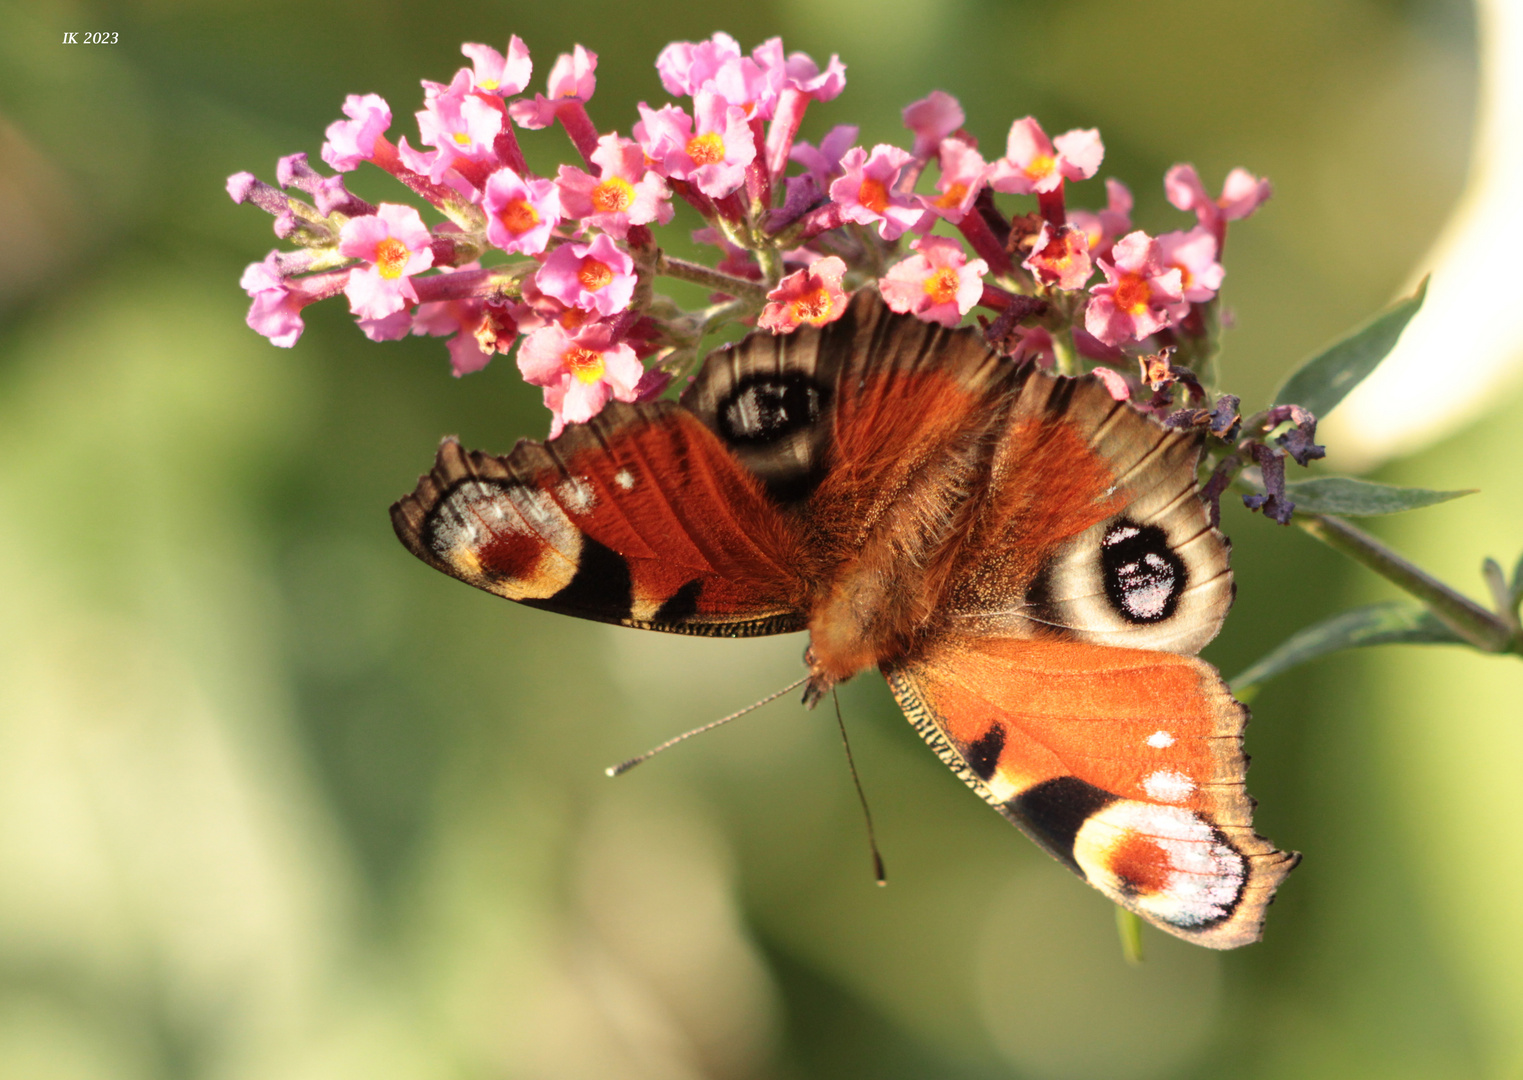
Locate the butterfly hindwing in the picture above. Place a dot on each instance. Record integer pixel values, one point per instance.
(1125, 764)
(1092, 528)
(639, 517)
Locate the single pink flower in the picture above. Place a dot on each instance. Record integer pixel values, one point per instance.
(1140, 295)
(393, 327)
(461, 126)
(963, 175)
(823, 162)
(932, 119)
(625, 192)
(804, 75)
(276, 309)
(812, 295)
(352, 141)
(1103, 228)
(572, 78)
(1034, 344)
(580, 371)
(752, 83)
(462, 319)
(395, 243)
(1241, 195)
(595, 277)
(865, 190)
(937, 284)
(494, 73)
(709, 150)
(1033, 163)
(1115, 382)
(686, 67)
(1193, 254)
(521, 214)
(1060, 257)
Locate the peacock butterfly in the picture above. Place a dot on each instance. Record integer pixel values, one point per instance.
(1026, 559)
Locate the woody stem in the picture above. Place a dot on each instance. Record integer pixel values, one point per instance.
(1482, 628)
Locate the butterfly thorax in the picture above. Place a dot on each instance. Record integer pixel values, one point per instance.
(886, 589)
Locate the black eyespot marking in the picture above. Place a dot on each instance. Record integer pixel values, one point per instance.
(1052, 812)
(762, 409)
(601, 588)
(682, 604)
(1144, 578)
(983, 755)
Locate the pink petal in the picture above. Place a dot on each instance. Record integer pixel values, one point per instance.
(1082, 151)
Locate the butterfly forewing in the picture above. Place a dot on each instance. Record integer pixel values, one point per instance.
(639, 517)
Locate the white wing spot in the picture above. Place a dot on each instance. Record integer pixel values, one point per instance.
(1115, 536)
(576, 494)
(1205, 873)
(625, 479)
(1168, 787)
(1160, 739)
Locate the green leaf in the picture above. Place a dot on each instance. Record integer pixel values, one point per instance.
(1361, 498)
(1325, 379)
(1389, 623)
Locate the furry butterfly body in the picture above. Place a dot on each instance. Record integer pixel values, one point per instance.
(1025, 559)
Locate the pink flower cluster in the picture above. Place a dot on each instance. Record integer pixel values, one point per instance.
(569, 263)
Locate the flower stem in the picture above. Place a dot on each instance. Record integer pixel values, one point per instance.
(1064, 352)
(717, 280)
(1464, 616)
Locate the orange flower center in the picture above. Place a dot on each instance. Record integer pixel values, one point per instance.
(594, 274)
(706, 149)
(613, 195)
(1059, 254)
(391, 256)
(941, 286)
(813, 307)
(585, 364)
(1185, 277)
(572, 317)
(873, 195)
(953, 195)
(1133, 294)
(1040, 166)
(518, 217)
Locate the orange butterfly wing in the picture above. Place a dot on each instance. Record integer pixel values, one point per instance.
(639, 517)
(1125, 764)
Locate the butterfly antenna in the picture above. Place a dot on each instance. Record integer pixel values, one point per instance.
(872, 837)
(624, 766)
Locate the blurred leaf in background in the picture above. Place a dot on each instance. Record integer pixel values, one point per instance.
(277, 800)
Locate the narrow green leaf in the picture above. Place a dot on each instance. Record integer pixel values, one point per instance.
(1361, 498)
(1388, 623)
(1325, 379)
(1129, 926)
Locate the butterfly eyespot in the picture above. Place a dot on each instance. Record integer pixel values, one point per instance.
(1172, 864)
(511, 535)
(1144, 578)
(768, 408)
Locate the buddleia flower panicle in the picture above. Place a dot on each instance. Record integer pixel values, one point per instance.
(566, 270)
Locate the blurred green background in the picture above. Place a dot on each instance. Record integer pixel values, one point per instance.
(277, 800)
